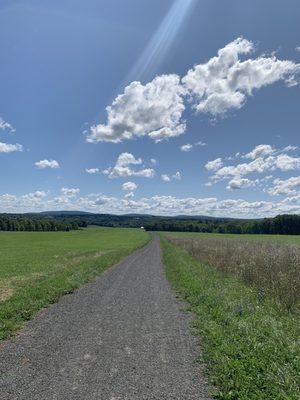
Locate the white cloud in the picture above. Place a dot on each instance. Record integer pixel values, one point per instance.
(224, 82)
(153, 161)
(177, 176)
(214, 164)
(287, 163)
(92, 170)
(165, 178)
(129, 195)
(9, 148)
(186, 147)
(130, 186)
(239, 183)
(260, 151)
(297, 48)
(289, 186)
(39, 194)
(4, 125)
(125, 159)
(215, 87)
(264, 159)
(70, 192)
(159, 205)
(123, 169)
(282, 162)
(290, 148)
(47, 164)
(153, 110)
(200, 143)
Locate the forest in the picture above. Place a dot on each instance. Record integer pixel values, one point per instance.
(32, 223)
(65, 221)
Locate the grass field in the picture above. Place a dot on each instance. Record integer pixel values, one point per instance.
(288, 239)
(36, 268)
(249, 341)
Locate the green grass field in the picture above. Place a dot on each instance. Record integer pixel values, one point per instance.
(288, 239)
(249, 341)
(36, 268)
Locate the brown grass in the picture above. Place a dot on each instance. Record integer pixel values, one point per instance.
(5, 293)
(274, 269)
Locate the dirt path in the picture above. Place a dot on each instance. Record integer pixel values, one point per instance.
(122, 337)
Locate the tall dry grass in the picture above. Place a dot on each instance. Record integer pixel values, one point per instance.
(274, 269)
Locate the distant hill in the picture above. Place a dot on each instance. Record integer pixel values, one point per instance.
(54, 213)
(142, 216)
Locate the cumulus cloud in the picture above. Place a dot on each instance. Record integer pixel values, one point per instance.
(92, 170)
(153, 110)
(214, 164)
(9, 148)
(165, 178)
(159, 205)
(297, 48)
(285, 162)
(4, 125)
(70, 192)
(123, 168)
(259, 166)
(129, 186)
(224, 82)
(215, 87)
(264, 159)
(260, 151)
(239, 183)
(42, 164)
(289, 186)
(39, 194)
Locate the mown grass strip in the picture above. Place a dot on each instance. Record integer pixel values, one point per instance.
(249, 343)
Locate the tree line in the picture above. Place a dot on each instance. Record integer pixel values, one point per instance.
(280, 225)
(11, 222)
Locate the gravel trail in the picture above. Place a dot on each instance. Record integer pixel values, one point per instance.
(123, 336)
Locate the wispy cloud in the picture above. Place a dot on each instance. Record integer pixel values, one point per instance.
(4, 125)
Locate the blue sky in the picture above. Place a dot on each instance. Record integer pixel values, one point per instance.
(220, 77)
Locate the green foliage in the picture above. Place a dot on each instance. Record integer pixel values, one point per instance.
(37, 268)
(280, 225)
(65, 221)
(37, 223)
(249, 342)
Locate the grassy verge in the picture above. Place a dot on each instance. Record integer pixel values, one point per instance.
(249, 343)
(38, 267)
